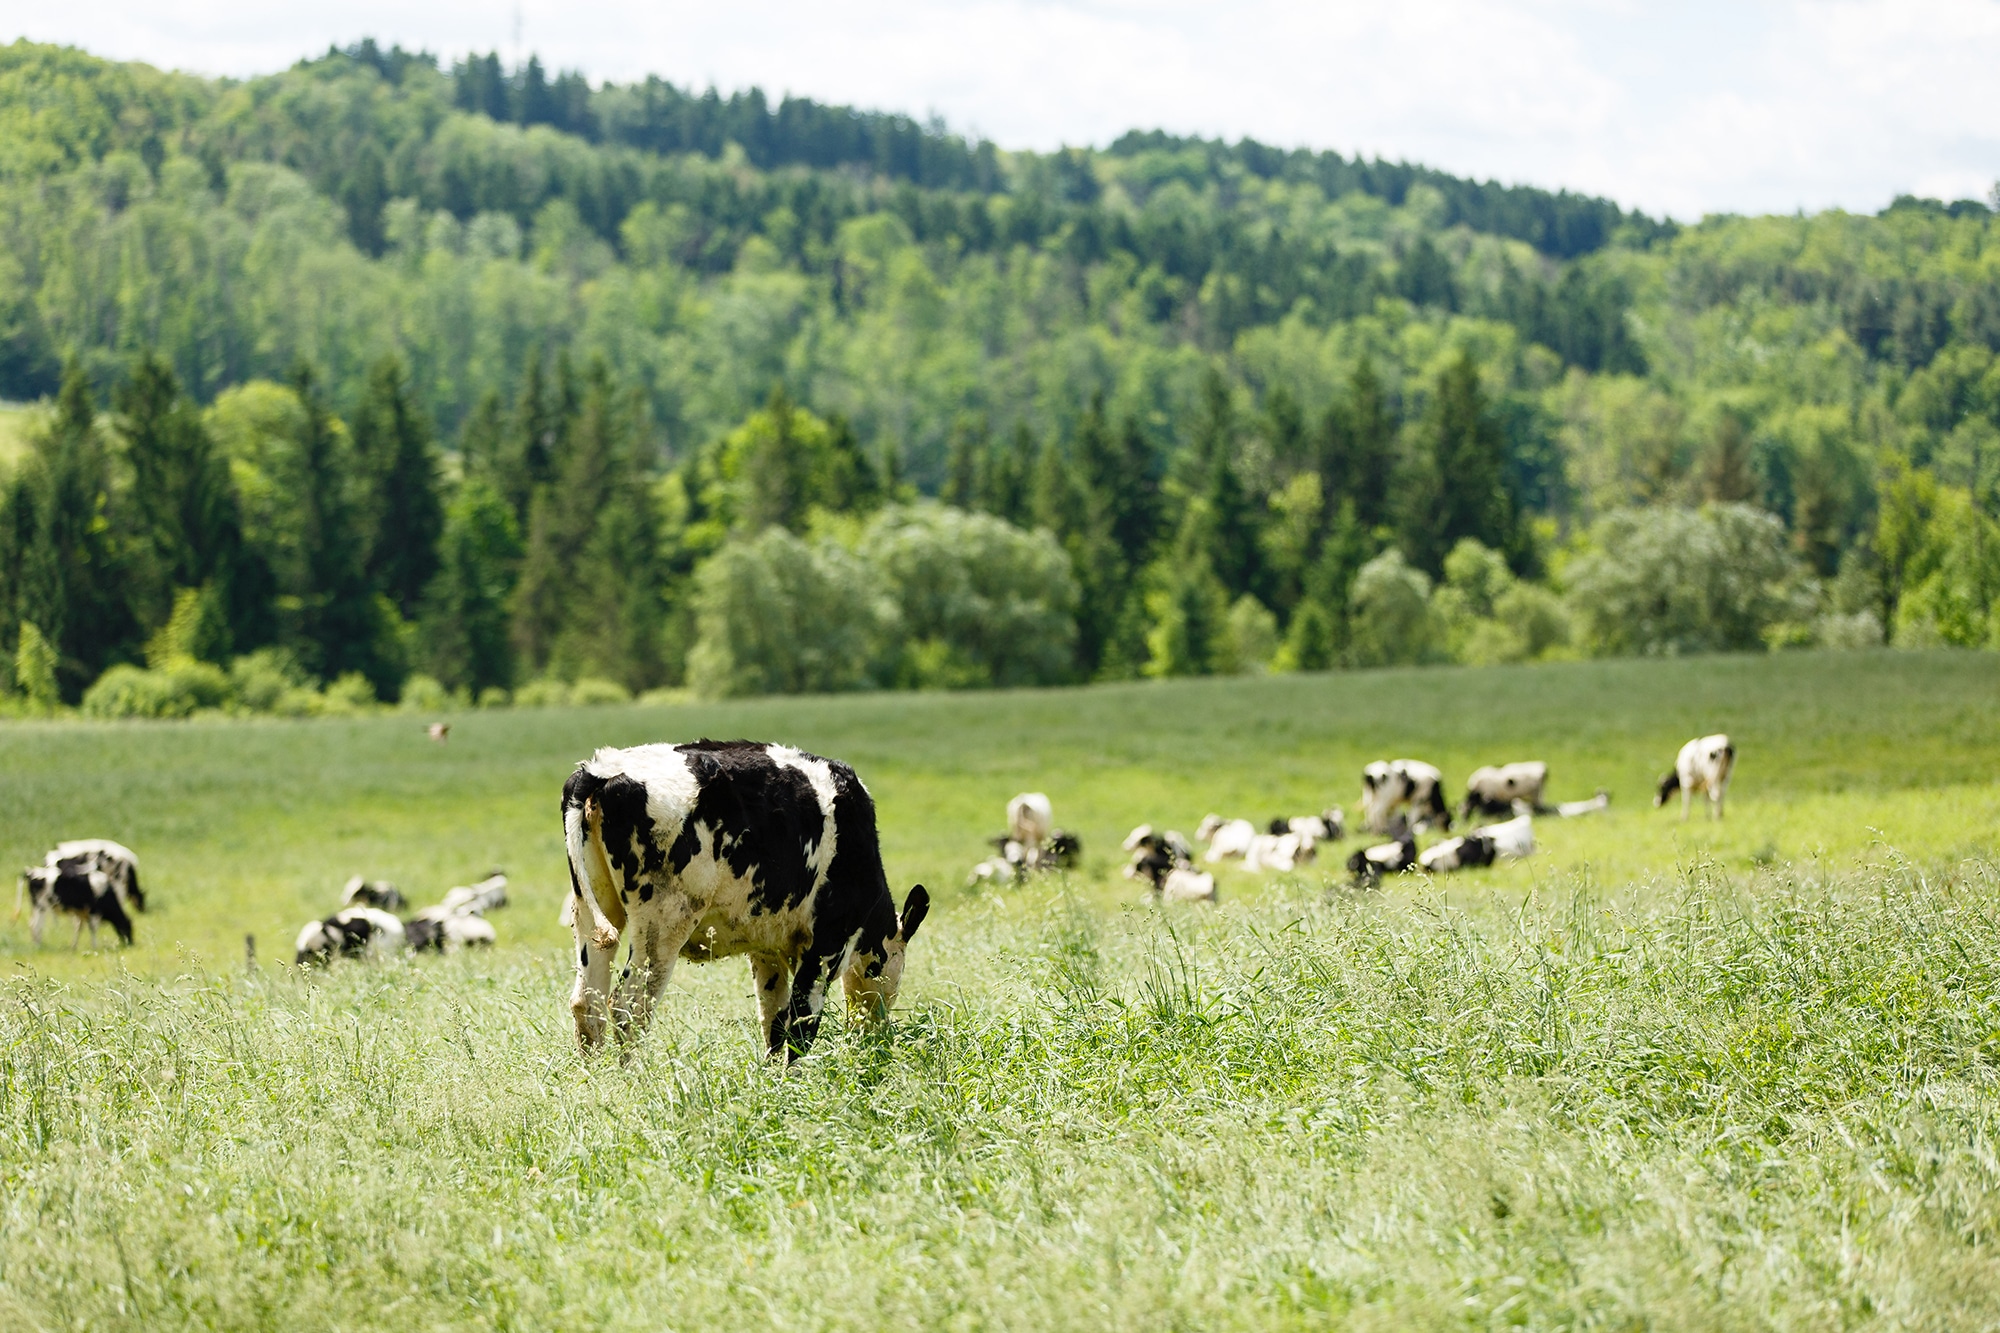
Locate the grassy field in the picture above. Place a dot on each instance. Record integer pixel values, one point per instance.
(1660, 1075)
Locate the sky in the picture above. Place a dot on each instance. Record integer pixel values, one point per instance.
(1683, 108)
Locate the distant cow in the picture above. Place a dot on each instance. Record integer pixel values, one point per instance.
(117, 861)
(1513, 839)
(1278, 851)
(1595, 805)
(87, 895)
(1371, 863)
(348, 933)
(1161, 860)
(1704, 765)
(1461, 853)
(1225, 837)
(457, 931)
(716, 848)
(1499, 790)
(1389, 785)
(1172, 840)
(1329, 825)
(1030, 821)
(361, 892)
(469, 899)
(439, 732)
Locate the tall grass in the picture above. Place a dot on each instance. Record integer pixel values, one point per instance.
(1698, 1103)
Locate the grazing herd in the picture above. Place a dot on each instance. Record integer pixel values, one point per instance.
(712, 849)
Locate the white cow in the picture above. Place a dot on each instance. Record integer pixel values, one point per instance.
(1225, 837)
(1278, 851)
(1030, 821)
(1505, 789)
(1704, 765)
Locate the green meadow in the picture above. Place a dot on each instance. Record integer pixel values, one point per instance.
(1662, 1074)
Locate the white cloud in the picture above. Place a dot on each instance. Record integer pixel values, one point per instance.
(1697, 107)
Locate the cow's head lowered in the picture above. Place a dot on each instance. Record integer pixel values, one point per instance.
(876, 970)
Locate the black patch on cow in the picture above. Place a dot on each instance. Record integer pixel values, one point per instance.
(1669, 784)
(424, 934)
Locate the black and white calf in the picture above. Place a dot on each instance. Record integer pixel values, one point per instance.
(1371, 863)
(349, 933)
(1497, 790)
(1704, 765)
(716, 848)
(1389, 785)
(117, 862)
(87, 895)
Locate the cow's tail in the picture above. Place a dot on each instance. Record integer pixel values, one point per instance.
(590, 867)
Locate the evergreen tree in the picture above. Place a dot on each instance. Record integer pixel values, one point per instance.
(1008, 489)
(181, 516)
(60, 566)
(965, 464)
(562, 517)
(851, 484)
(1188, 605)
(402, 514)
(541, 419)
(483, 439)
(336, 624)
(1357, 448)
(1454, 483)
(1228, 535)
(464, 628)
(778, 472)
(616, 627)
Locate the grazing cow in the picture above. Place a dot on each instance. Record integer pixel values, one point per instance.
(1173, 840)
(1182, 884)
(348, 933)
(463, 930)
(87, 895)
(1462, 853)
(1225, 838)
(1504, 789)
(1704, 765)
(1371, 863)
(116, 860)
(1595, 805)
(1394, 784)
(1065, 849)
(716, 848)
(380, 893)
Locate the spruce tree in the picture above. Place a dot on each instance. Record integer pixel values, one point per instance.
(562, 516)
(180, 515)
(464, 629)
(402, 514)
(778, 472)
(482, 439)
(336, 625)
(63, 569)
(1455, 483)
(1228, 534)
(1357, 448)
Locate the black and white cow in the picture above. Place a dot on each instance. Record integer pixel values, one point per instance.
(1371, 863)
(364, 892)
(351, 932)
(87, 895)
(1497, 790)
(1328, 825)
(716, 848)
(441, 934)
(1389, 785)
(1162, 861)
(1225, 837)
(1703, 765)
(1460, 853)
(118, 862)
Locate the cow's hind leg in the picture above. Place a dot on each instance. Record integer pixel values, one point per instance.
(657, 937)
(774, 995)
(593, 988)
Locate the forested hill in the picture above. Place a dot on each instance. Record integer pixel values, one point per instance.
(1220, 378)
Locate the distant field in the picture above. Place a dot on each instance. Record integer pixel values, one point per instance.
(1662, 1075)
(251, 827)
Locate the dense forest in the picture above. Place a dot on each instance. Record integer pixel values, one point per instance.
(389, 377)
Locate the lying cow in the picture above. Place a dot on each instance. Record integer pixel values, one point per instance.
(1162, 861)
(1225, 837)
(1704, 765)
(469, 899)
(1140, 839)
(1031, 820)
(349, 933)
(1576, 809)
(1329, 825)
(1391, 785)
(442, 934)
(1282, 852)
(1371, 863)
(716, 848)
(1506, 789)
(1482, 846)
(117, 862)
(362, 892)
(87, 895)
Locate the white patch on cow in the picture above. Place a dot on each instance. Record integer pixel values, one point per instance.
(1234, 838)
(1513, 839)
(671, 786)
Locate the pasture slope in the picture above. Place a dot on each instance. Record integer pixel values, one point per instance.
(1664, 1075)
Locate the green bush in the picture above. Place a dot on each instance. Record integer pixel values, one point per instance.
(595, 691)
(424, 694)
(1392, 613)
(542, 693)
(178, 690)
(350, 694)
(779, 615)
(495, 697)
(259, 681)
